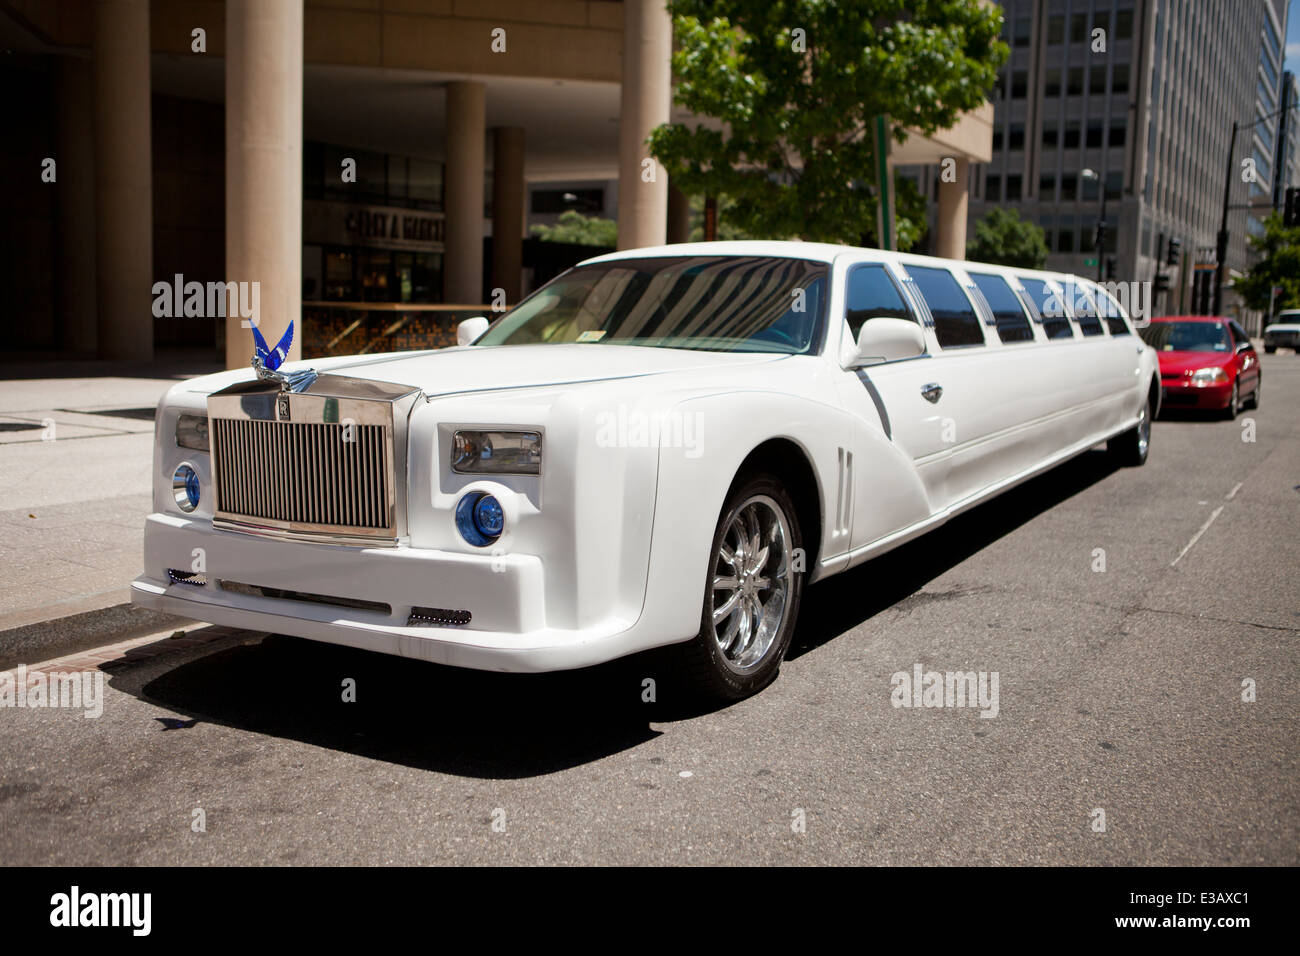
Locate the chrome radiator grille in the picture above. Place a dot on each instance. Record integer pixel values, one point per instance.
(325, 463)
(304, 474)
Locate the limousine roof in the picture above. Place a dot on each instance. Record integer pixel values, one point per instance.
(821, 252)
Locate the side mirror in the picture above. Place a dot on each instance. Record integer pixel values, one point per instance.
(885, 339)
(470, 329)
(1243, 346)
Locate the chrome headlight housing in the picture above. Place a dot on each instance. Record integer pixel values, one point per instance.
(192, 431)
(495, 452)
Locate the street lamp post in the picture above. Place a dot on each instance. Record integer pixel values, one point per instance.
(1101, 222)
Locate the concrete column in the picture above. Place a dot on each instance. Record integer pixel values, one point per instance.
(645, 98)
(264, 169)
(123, 180)
(950, 224)
(508, 210)
(75, 265)
(462, 277)
(679, 215)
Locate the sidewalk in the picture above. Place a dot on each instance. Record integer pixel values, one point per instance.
(76, 444)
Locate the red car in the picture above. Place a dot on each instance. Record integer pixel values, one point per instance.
(1206, 362)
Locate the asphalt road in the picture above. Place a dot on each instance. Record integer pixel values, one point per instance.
(1119, 690)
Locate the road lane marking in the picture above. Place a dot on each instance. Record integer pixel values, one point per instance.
(1197, 537)
(1235, 488)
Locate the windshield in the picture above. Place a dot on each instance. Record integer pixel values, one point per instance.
(713, 303)
(1187, 336)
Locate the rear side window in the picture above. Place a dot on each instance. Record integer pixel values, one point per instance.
(1050, 307)
(1112, 313)
(1084, 308)
(955, 321)
(1013, 324)
(872, 294)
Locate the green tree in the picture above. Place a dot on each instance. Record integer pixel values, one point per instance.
(574, 227)
(1005, 239)
(1279, 265)
(792, 89)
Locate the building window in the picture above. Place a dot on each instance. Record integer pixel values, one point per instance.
(1071, 139)
(1124, 25)
(1016, 136)
(1097, 80)
(1078, 28)
(1052, 82)
(1022, 30)
(1056, 29)
(993, 188)
(1114, 184)
(1074, 86)
(1050, 136)
(1119, 79)
(1069, 187)
(1094, 134)
(1013, 188)
(1117, 134)
(1047, 187)
(1019, 84)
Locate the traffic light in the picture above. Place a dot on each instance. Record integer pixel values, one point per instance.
(1291, 212)
(1162, 282)
(1174, 253)
(1111, 267)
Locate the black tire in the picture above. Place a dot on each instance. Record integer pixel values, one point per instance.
(1234, 404)
(1270, 349)
(702, 660)
(1130, 449)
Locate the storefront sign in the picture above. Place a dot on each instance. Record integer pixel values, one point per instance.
(375, 227)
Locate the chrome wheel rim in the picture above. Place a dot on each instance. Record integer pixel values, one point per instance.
(1144, 429)
(752, 582)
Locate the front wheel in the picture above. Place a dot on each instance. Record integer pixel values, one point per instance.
(1132, 446)
(751, 593)
(1234, 404)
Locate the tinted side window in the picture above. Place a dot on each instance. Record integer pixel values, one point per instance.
(1239, 333)
(955, 321)
(1050, 307)
(872, 294)
(1085, 310)
(1013, 324)
(1112, 313)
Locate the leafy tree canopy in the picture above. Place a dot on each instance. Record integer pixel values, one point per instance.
(573, 226)
(1005, 239)
(791, 89)
(1279, 266)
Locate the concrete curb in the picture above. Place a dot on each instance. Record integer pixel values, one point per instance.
(42, 640)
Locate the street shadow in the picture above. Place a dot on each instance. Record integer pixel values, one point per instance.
(506, 726)
(414, 713)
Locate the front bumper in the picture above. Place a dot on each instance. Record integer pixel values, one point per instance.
(1179, 394)
(504, 593)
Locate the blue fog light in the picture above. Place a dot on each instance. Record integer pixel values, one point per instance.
(488, 517)
(480, 519)
(185, 488)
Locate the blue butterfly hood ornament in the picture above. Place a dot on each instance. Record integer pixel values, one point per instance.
(267, 362)
(272, 359)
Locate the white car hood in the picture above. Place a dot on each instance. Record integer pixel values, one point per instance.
(476, 369)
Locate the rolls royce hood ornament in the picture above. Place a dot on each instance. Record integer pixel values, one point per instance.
(267, 361)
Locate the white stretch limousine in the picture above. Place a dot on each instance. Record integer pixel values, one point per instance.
(661, 446)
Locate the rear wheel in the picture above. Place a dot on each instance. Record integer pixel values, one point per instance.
(751, 594)
(1131, 447)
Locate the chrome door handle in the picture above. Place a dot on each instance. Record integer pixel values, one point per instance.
(931, 392)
